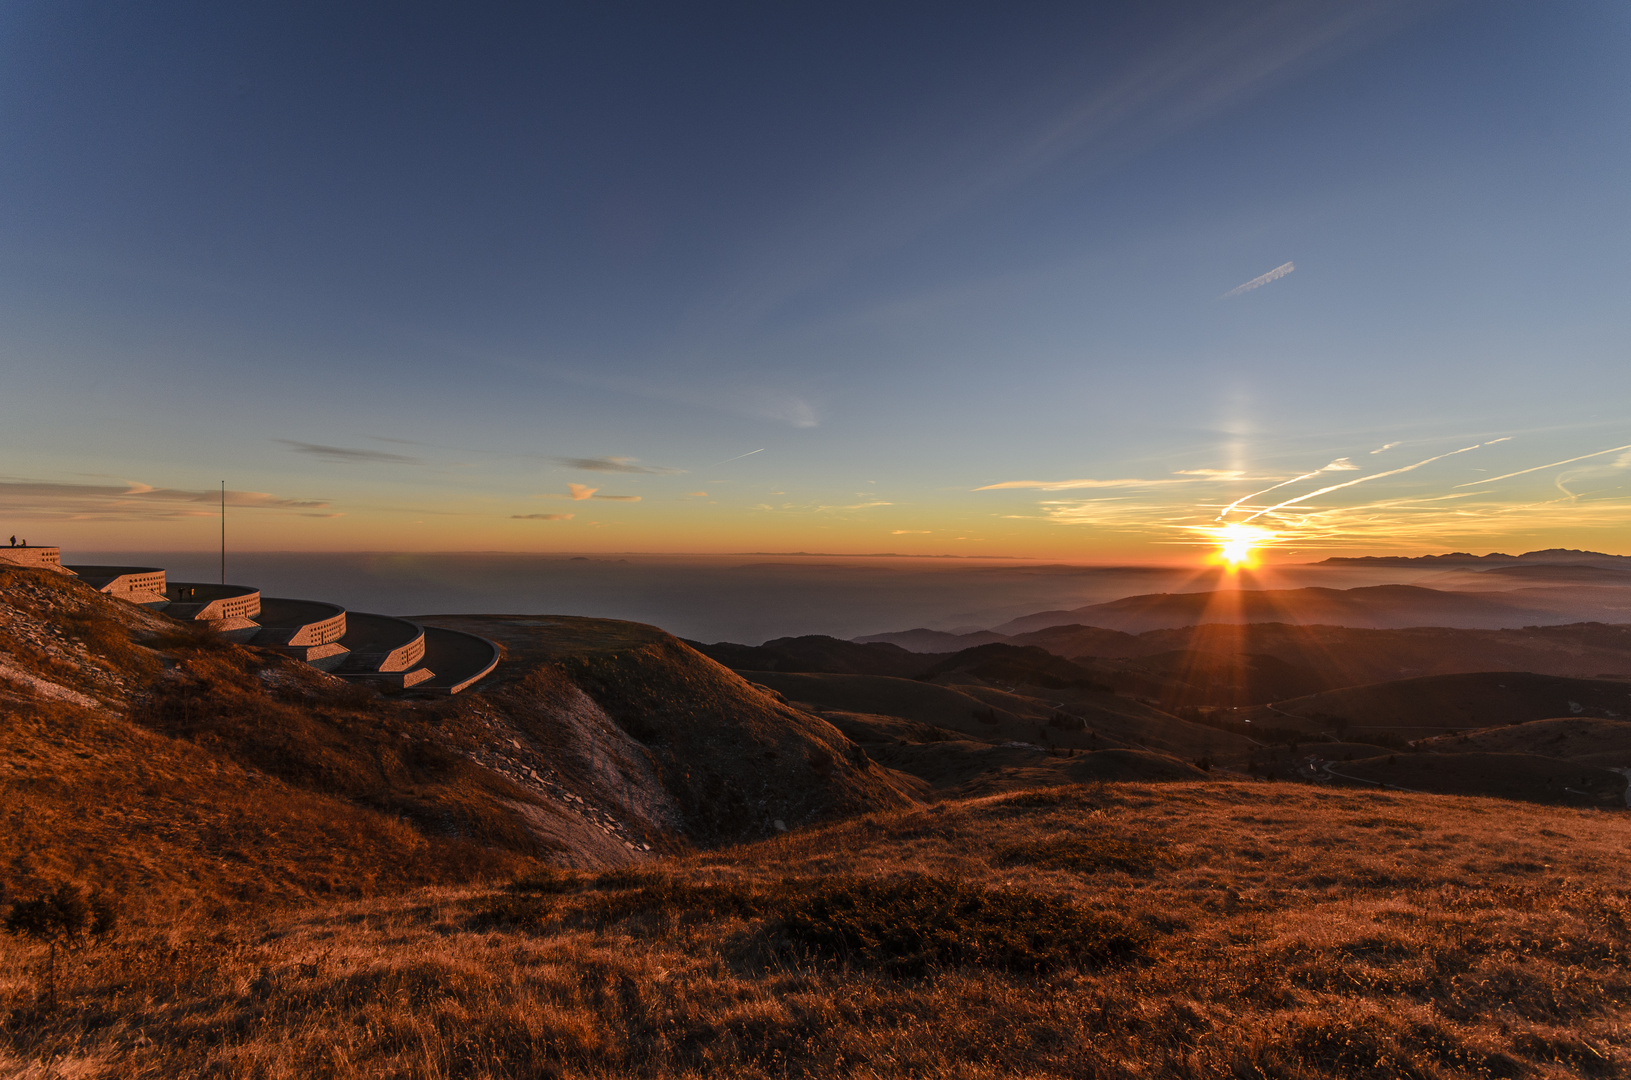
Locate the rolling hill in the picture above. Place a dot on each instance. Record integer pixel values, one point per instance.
(1224, 664)
(1583, 739)
(1529, 777)
(1371, 606)
(1436, 704)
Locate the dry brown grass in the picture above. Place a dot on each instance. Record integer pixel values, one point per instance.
(1286, 932)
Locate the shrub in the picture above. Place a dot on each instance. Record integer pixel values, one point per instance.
(902, 927)
(1066, 722)
(546, 880)
(905, 927)
(63, 918)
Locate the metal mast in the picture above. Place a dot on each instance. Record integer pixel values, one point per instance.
(223, 532)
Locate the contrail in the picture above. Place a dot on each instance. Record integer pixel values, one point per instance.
(1537, 468)
(1258, 282)
(1341, 464)
(1362, 479)
(738, 457)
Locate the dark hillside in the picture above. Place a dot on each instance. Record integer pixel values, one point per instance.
(1013, 665)
(1373, 606)
(1508, 776)
(1067, 719)
(733, 759)
(1584, 739)
(1224, 664)
(818, 653)
(1434, 705)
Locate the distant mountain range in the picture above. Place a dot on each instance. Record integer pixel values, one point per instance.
(1554, 556)
(1373, 606)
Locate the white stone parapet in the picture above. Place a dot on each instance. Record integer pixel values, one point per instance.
(138, 584)
(35, 557)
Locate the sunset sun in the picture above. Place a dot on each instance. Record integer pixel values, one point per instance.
(1237, 544)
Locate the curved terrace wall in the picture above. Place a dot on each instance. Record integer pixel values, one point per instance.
(381, 643)
(138, 584)
(303, 623)
(40, 558)
(211, 603)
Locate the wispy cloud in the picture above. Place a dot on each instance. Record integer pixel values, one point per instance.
(807, 508)
(542, 517)
(858, 506)
(1384, 446)
(348, 455)
(1189, 476)
(617, 465)
(1261, 280)
(580, 492)
(55, 500)
(909, 532)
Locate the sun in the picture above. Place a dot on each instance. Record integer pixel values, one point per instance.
(1237, 544)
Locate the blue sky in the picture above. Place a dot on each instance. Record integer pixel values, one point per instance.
(401, 274)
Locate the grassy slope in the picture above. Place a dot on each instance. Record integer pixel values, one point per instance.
(181, 771)
(1267, 931)
(192, 772)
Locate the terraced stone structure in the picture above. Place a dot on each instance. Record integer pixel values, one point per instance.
(40, 558)
(393, 653)
(139, 584)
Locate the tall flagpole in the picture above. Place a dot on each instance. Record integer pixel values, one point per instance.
(223, 532)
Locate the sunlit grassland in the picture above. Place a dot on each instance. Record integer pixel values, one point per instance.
(1241, 930)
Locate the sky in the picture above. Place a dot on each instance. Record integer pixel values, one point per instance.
(1047, 281)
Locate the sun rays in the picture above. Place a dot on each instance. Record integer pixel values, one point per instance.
(1425, 501)
(1238, 543)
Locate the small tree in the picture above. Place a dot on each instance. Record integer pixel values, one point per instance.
(64, 918)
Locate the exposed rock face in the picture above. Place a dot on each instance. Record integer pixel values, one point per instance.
(731, 758)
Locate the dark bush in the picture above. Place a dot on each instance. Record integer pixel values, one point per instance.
(905, 927)
(64, 918)
(547, 880)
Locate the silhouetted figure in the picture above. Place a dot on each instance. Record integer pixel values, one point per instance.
(13, 541)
